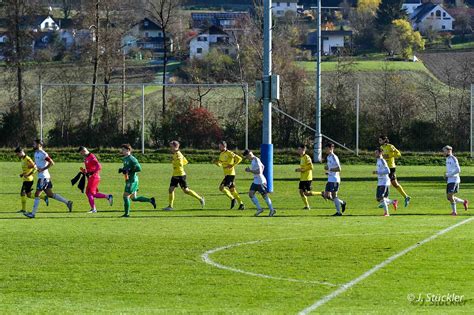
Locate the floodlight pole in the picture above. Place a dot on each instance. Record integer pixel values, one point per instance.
(472, 120)
(318, 141)
(143, 119)
(246, 89)
(267, 146)
(41, 111)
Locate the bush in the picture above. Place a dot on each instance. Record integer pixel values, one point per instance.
(198, 128)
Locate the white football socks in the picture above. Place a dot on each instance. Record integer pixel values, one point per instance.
(458, 200)
(35, 205)
(268, 202)
(60, 198)
(337, 203)
(255, 202)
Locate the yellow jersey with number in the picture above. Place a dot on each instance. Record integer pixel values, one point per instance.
(306, 166)
(179, 161)
(390, 153)
(228, 160)
(27, 167)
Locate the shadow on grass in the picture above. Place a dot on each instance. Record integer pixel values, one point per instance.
(438, 179)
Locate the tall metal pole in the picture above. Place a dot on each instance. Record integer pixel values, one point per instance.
(318, 141)
(472, 119)
(143, 119)
(357, 118)
(246, 116)
(267, 146)
(41, 111)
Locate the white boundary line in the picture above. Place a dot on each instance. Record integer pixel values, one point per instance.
(351, 283)
(207, 260)
(205, 257)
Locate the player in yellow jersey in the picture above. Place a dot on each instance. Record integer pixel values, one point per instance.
(179, 177)
(390, 153)
(306, 176)
(228, 160)
(28, 169)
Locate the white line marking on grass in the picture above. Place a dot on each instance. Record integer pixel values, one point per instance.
(351, 283)
(205, 257)
(207, 260)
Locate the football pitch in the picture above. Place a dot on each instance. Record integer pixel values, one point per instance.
(216, 260)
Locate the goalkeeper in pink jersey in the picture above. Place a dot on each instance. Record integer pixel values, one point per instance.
(92, 172)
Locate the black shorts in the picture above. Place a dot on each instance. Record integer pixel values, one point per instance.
(332, 187)
(305, 185)
(392, 174)
(228, 181)
(382, 192)
(452, 188)
(179, 181)
(27, 187)
(44, 184)
(261, 188)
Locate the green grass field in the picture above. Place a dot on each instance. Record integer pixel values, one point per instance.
(367, 66)
(152, 262)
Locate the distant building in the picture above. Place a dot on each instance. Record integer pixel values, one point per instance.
(211, 38)
(280, 8)
(410, 5)
(430, 16)
(224, 20)
(332, 41)
(147, 35)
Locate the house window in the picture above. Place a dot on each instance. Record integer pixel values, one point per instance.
(146, 34)
(46, 24)
(199, 50)
(202, 39)
(280, 12)
(287, 4)
(444, 14)
(278, 4)
(145, 23)
(443, 27)
(438, 13)
(432, 14)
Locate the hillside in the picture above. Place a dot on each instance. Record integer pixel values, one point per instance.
(452, 68)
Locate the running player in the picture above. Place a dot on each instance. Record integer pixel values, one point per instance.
(28, 169)
(130, 169)
(306, 176)
(259, 183)
(333, 168)
(228, 160)
(383, 183)
(43, 162)
(179, 177)
(453, 179)
(390, 154)
(92, 171)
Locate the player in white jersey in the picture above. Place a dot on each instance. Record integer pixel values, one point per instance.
(43, 163)
(453, 180)
(259, 183)
(333, 168)
(383, 183)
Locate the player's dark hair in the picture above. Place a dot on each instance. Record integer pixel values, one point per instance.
(247, 152)
(18, 149)
(379, 149)
(329, 145)
(40, 142)
(302, 146)
(384, 138)
(126, 146)
(222, 142)
(174, 143)
(81, 148)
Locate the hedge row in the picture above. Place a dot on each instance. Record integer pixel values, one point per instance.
(206, 156)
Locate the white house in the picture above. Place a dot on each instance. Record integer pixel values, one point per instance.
(280, 8)
(45, 24)
(332, 41)
(211, 38)
(430, 16)
(410, 5)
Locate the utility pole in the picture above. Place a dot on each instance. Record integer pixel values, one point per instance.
(318, 137)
